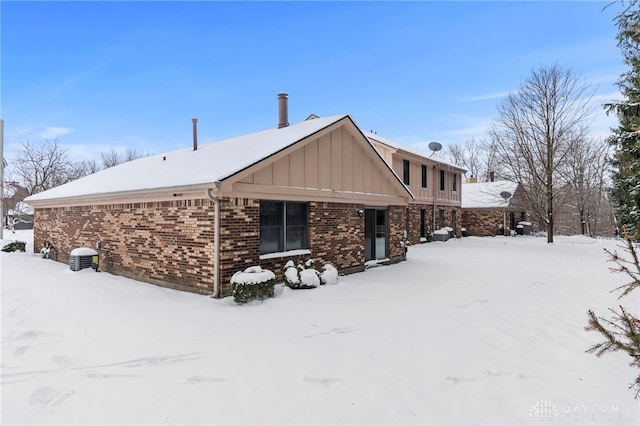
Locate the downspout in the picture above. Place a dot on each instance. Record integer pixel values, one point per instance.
(433, 213)
(216, 242)
(1, 176)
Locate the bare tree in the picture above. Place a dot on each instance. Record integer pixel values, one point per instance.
(84, 168)
(537, 128)
(110, 159)
(113, 157)
(41, 167)
(471, 155)
(585, 171)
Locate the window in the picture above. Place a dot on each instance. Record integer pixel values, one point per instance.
(405, 171)
(441, 180)
(423, 228)
(424, 176)
(283, 226)
(455, 182)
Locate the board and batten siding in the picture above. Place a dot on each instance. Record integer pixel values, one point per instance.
(446, 197)
(332, 166)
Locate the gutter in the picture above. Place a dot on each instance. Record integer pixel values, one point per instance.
(216, 242)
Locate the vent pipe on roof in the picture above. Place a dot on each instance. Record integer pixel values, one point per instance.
(195, 133)
(283, 110)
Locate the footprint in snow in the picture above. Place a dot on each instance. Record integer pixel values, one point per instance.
(473, 302)
(326, 382)
(48, 396)
(27, 335)
(63, 361)
(20, 350)
(201, 379)
(339, 330)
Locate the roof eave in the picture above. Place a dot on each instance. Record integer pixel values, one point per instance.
(138, 195)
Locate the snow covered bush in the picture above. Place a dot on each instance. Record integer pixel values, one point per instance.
(291, 275)
(253, 283)
(329, 275)
(14, 246)
(307, 276)
(297, 277)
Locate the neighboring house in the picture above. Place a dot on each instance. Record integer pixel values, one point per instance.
(22, 216)
(435, 185)
(191, 218)
(14, 208)
(485, 211)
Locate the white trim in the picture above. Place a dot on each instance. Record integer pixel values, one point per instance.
(289, 253)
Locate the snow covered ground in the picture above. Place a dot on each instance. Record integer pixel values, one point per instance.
(483, 331)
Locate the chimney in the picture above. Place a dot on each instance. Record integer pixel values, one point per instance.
(195, 133)
(492, 176)
(283, 113)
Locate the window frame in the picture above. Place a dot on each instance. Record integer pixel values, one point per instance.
(442, 180)
(284, 228)
(406, 172)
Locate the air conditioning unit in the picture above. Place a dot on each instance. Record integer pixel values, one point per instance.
(82, 258)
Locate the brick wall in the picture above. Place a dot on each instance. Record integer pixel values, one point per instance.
(336, 235)
(448, 219)
(413, 220)
(172, 243)
(413, 234)
(165, 243)
(397, 226)
(484, 223)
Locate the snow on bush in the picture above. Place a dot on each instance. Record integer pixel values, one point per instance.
(310, 278)
(291, 275)
(297, 277)
(329, 275)
(307, 276)
(252, 283)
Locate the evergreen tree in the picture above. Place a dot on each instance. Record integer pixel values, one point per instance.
(625, 192)
(622, 331)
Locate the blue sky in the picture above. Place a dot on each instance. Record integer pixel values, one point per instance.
(103, 75)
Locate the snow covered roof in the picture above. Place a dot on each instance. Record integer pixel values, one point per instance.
(486, 194)
(407, 148)
(211, 162)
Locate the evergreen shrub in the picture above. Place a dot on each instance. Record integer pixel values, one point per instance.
(253, 283)
(15, 246)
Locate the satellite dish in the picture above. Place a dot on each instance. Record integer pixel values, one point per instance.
(506, 195)
(435, 146)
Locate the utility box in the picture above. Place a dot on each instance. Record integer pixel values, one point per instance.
(82, 258)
